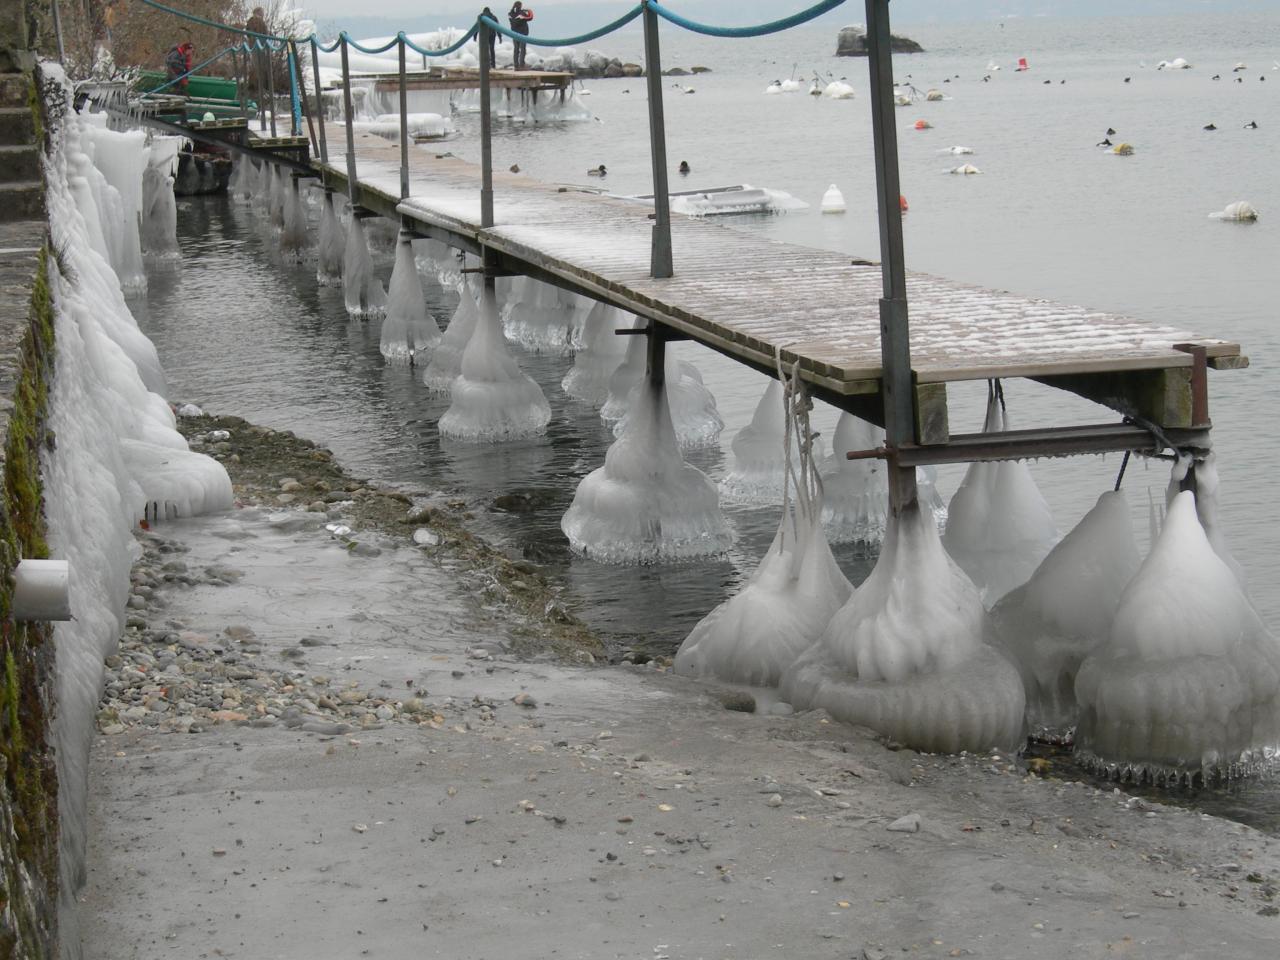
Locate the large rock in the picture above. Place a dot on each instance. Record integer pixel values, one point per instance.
(852, 42)
(632, 70)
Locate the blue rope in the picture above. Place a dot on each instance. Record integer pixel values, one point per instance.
(294, 102)
(452, 48)
(759, 30)
(622, 21)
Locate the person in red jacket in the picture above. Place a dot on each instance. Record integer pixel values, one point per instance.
(177, 63)
(519, 16)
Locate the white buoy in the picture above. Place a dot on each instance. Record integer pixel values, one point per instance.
(965, 169)
(41, 590)
(833, 200)
(408, 331)
(361, 288)
(1240, 212)
(957, 151)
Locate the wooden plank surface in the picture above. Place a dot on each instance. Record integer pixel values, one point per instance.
(748, 295)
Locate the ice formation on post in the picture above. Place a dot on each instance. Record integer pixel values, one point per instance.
(1206, 484)
(332, 245)
(909, 656)
(159, 209)
(409, 330)
(1188, 681)
(443, 262)
(293, 233)
(276, 196)
(492, 400)
(538, 316)
(755, 635)
(1050, 623)
(446, 358)
(692, 408)
(646, 505)
(998, 526)
(243, 179)
(361, 288)
(760, 455)
(855, 507)
(601, 353)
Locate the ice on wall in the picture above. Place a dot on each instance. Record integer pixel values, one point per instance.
(601, 353)
(446, 358)
(159, 230)
(332, 246)
(97, 480)
(758, 633)
(999, 527)
(646, 505)
(856, 492)
(120, 158)
(492, 400)
(361, 287)
(909, 654)
(694, 415)
(539, 316)
(1050, 623)
(1188, 680)
(760, 455)
(409, 331)
(293, 232)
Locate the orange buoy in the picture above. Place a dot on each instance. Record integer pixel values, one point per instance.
(923, 124)
(902, 203)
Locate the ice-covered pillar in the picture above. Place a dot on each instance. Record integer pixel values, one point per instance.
(895, 344)
(486, 130)
(270, 61)
(660, 264)
(353, 191)
(320, 114)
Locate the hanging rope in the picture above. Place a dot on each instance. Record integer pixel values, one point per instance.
(443, 51)
(759, 30)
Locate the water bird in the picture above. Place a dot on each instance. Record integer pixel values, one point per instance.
(1111, 131)
(1047, 82)
(815, 89)
(1251, 125)
(1105, 142)
(515, 168)
(775, 87)
(1210, 126)
(1127, 79)
(684, 167)
(599, 171)
(1216, 77)
(1238, 67)
(1239, 79)
(987, 78)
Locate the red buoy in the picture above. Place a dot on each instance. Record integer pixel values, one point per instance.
(902, 203)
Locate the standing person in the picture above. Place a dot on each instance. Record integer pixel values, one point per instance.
(519, 18)
(177, 63)
(494, 37)
(257, 23)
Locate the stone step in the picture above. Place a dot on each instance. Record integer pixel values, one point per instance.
(21, 201)
(15, 88)
(16, 125)
(19, 162)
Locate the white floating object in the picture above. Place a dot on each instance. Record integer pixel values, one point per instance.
(958, 151)
(909, 654)
(492, 399)
(1240, 211)
(1188, 680)
(992, 66)
(189, 410)
(965, 169)
(773, 88)
(833, 200)
(838, 90)
(815, 89)
(1050, 623)
(999, 527)
(646, 505)
(41, 590)
(934, 95)
(361, 288)
(792, 86)
(408, 330)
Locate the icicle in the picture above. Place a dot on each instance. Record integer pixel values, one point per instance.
(333, 243)
(293, 235)
(263, 193)
(361, 288)
(759, 458)
(276, 197)
(159, 215)
(646, 505)
(492, 400)
(538, 316)
(446, 358)
(121, 158)
(1052, 621)
(694, 415)
(409, 331)
(601, 353)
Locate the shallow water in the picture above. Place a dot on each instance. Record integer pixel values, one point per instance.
(241, 332)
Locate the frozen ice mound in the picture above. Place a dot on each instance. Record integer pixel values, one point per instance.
(694, 415)
(1188, 681)
(159, 209)
(646, 505)
(120, 158)
(443, 261)
(492, 400)
(332, 245)
(782, 610)
(1050, 623)
(999, 527)
(276, 196)
(293, 230)
(908, 655)
(760, 453)
(856, 492)
(409, 331)
(539, 316)
(176, 483)
(362, 290)
(446, 358)
(601, 353)
(240, 187)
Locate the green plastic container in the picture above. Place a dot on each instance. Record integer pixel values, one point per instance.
(209, 88)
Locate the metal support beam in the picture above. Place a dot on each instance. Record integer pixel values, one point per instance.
(302, 98)
(271, 86)
(660, 260)
(486, 131)
(320, 114)
(353, 187)
(1199, 382)
(404, 126)
(895, 343)
(656, 356)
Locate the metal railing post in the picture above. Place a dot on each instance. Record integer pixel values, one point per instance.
(321, 118)
(352, 188)
(660, 264)
(256, 56)
(302, 89)
(271, 84)
(895, 343)
(486, 131)
(404, 125)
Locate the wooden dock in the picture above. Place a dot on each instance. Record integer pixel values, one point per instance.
(747, 296)
(468, 78)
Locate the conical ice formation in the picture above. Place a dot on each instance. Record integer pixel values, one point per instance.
(332, 245)
(601, 353)
(408, 330)
(276, 197)
(1187, 682)
(694, 415)
(1050, 623)
(293, 233)
(999, 527)
(492, 400)
(757, 634)
(646, 505)
(909, 656)
(759, 455)
(446, 357)
(855, 505)
(361, 287)
(159, 214)
(539, 316)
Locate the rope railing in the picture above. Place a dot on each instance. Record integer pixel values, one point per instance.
(608, 28)
(759, 30)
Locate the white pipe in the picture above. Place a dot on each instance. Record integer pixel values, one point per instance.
(41, 590)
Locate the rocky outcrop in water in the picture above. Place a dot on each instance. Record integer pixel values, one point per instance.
(852, 42)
